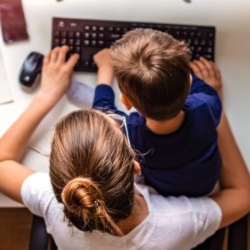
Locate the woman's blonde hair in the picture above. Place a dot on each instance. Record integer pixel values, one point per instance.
(91, 170)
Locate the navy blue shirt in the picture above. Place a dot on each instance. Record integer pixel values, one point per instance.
(186, 162)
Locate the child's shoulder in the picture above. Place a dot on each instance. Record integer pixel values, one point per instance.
(135, 118)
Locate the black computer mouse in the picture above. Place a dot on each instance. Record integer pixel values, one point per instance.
(31, 68)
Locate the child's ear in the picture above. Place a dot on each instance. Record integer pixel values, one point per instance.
(137, 168)
(125, 101)
(191, 80)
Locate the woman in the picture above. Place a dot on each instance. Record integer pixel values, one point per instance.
(93, 202)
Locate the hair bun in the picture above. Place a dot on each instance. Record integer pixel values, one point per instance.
(85, 208)
(82, 195)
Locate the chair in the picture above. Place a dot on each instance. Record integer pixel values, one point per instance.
(39, 238)
(238, 234)
(215, 242)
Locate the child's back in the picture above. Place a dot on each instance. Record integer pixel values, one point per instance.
(176, 128)
(187, 161)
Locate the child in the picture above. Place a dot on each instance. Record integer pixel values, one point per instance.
(175, 129)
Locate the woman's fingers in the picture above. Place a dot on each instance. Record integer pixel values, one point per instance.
(54, 55)
(57, 58)
(62, 54)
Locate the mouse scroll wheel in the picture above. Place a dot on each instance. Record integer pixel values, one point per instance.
(27, 78)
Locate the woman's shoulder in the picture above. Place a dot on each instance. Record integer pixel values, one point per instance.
(180, 208)
(37, 180)
(182, 214)
(37, 193)
(172, 204)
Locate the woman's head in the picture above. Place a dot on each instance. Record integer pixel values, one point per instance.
(91, 170)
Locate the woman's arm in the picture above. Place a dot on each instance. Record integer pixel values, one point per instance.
(56, 75)
(234, 198)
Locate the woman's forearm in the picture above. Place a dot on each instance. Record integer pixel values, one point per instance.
(234, 199)
(56, 75)
(14, 141)
(234, 172)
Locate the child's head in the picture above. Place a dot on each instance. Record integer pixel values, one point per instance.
(153, 73)
(91, 169)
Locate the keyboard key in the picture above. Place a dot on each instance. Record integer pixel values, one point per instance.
(78, 34)
(71, 34)
(63, 33)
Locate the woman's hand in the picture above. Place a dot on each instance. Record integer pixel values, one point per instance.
(56, 73)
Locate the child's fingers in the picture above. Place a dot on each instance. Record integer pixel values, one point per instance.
(194, 68)
(216, 70)
(208, 65)
(203, 68)
(198, 69)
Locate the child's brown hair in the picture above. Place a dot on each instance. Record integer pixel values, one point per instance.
(152, 70)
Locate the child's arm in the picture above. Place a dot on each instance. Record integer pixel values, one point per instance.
(104, 97)
(206, 77)
(105, 71)
(234, 198)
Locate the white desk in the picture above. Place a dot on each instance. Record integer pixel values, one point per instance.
(232, 55)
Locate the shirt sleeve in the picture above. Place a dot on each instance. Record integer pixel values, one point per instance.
(202, 92)
(198, 85)
(186, 221)
(207, 216)
(104, 99)
(37, 193)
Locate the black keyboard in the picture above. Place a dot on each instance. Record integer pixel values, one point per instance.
(86, 37)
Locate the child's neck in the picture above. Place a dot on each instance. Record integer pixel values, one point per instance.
(167, 126)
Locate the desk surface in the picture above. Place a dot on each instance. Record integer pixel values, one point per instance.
(231, 19)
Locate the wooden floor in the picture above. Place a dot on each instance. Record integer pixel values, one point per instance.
(15, 224)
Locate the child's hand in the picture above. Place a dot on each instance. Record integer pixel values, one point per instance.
(208, 72)
(56, 73)
(105, 71)
(103, 58)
